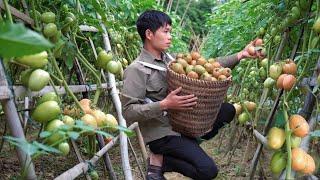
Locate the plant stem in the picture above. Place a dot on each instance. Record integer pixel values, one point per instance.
(55, 90)
(288, 139)
(244, 77)
(8, 13)
(56, 67)
(36, 22)
(98, 78)
(305, 42)
(1, 18)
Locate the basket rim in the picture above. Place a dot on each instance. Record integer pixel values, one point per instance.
(194, 80)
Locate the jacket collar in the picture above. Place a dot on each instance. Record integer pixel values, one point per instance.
(146, 56)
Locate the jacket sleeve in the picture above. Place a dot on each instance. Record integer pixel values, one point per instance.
(228, 61)
(133, 95)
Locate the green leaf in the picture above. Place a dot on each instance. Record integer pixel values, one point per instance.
(22, 144)
(127, 131)
(103, 133)
(279, 119)
(84, 127)
(45, 147)
(315, 133)
(45, 134)
(73, 135)
(16, 40)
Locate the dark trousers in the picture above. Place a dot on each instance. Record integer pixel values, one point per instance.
(184, 155)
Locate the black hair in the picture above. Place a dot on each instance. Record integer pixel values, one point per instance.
(152, 20)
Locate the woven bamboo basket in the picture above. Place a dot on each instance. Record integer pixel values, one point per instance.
(210, 94)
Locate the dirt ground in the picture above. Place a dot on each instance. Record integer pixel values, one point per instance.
(231, 167)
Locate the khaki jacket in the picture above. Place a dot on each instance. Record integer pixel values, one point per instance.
(144, 86)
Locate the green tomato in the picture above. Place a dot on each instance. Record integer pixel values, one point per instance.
(264, 62)
(268, 83)
(277, 39)
(51, 96)
(262, 73)
(53, 126)
(50, 30)
(113, 67)
(103, 59)
(295, 141)
(64, 148)
(48, 17)
(38, 80)
(46, 111)
(316, 26)
(295, 11)
(262, 31)
(34, 61)
(94, 175)
(25, 75)
(278, 162)
(243, 118)
(275, 71)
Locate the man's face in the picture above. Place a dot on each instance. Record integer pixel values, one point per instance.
(161, 39)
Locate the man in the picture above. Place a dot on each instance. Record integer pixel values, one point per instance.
(145, 100)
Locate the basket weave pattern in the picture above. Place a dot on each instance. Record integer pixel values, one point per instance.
(210, 94)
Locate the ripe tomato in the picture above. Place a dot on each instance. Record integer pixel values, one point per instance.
(100, 117)
(111, 122)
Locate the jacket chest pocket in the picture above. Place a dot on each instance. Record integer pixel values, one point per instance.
(157, 82)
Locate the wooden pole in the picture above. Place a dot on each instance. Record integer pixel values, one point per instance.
(185, 12)
(16, 130)
(177, 6)
(142, 144)
(25, 114)
(256, 156)
(106, 158)
(117, 104)
(78, 154)
(78, 169)
(101, 144)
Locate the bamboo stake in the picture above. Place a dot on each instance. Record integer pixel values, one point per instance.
(25, 114)
(84, 166)
(106, 158)
(185, 12)
(136, 158)
(142, 144)
(16, 130)
(117, 103)
(256, 156)
(177, 6)
(78, 154)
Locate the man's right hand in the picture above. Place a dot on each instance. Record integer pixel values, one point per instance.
(173, 101)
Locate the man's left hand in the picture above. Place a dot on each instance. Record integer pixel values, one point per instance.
(250, 51)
